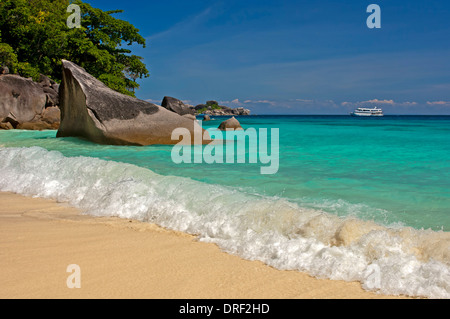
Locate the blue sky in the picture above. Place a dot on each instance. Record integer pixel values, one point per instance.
(295, 57)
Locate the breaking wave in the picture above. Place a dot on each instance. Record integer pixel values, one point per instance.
(388, 260)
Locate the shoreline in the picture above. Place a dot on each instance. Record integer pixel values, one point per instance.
(127, 259)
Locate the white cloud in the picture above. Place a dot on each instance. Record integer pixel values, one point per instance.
(273, 103)
(439, 103)
(234, 102)
(379, 102)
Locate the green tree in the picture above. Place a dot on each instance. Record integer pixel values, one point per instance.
(7, 56)
(34, 38)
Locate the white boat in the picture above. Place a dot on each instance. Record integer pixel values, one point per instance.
(362, 111)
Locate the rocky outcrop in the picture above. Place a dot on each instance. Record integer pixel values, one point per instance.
(20, 99)
(176, 106)
(6, 126)
(242, 111)
(206, 118)
(230, 125)
(11, 119)
(51, 90)
(48, 120)
(37, 126)
(51, 115)
(91, 110)
(29, 105)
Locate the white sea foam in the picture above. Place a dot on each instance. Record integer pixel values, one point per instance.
(387, 260)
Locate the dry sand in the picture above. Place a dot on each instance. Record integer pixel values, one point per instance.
(123, 259)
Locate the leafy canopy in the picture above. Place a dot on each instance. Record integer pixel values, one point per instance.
(34, 38)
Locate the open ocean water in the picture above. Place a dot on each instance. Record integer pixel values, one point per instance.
(356, 199)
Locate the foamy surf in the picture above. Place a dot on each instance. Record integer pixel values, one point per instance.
(396, 261)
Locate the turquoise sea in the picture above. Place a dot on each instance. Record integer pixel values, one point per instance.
(353, 198)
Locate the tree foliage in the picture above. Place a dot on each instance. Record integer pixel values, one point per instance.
(34, 38)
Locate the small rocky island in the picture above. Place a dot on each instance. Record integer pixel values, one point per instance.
(208, 109)
(213, 108)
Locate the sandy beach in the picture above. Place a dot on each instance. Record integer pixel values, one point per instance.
(124, 259)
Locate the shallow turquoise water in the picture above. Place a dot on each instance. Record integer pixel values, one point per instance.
(394, 170)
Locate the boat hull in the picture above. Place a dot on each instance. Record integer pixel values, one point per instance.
(366, 115)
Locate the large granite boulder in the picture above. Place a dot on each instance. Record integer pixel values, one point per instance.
(51, 89)
(177, 106)
(48, 120)
(52, 96)
(20, 99)
(45, 81)
(91, 110)
(38, 126)
(230, 125)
